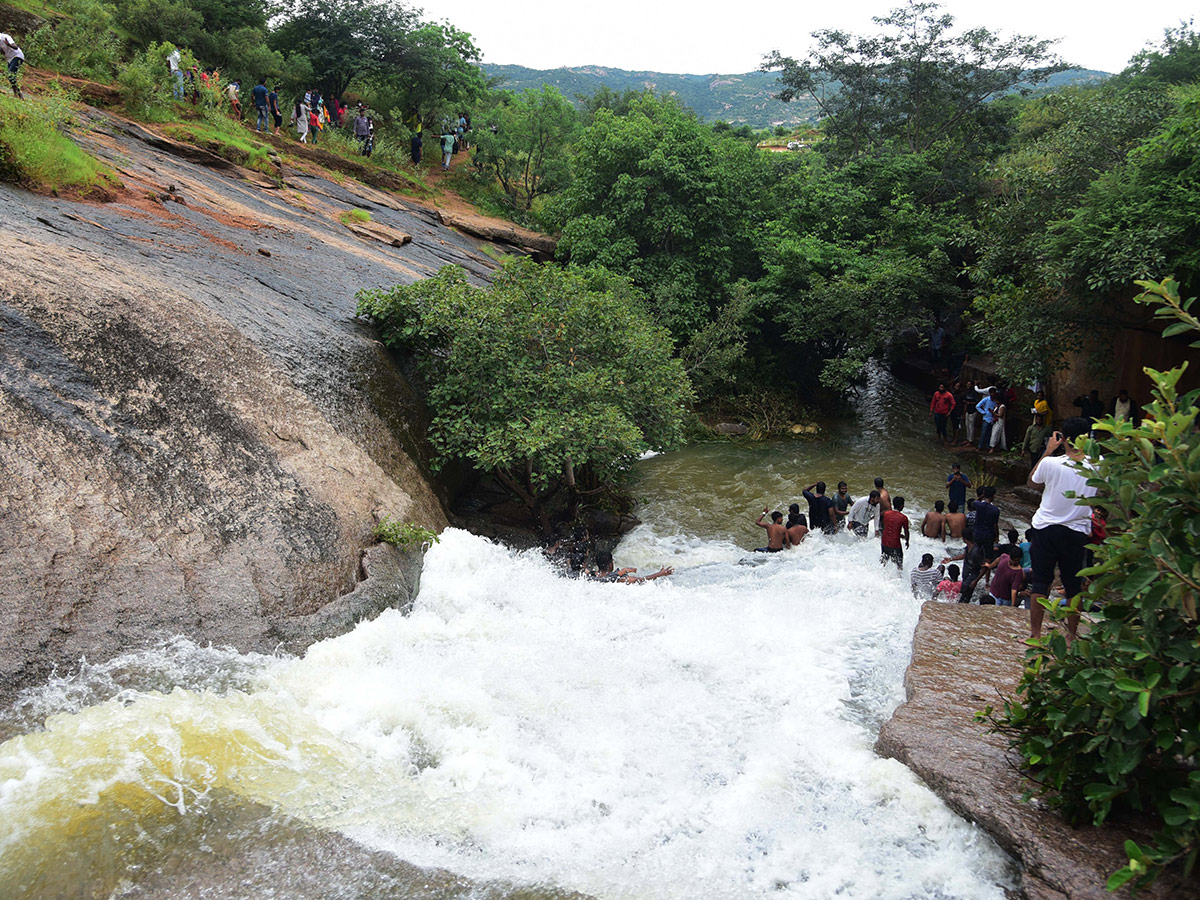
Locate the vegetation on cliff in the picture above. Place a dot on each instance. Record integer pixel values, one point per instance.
(552, 379)
(1111, 723)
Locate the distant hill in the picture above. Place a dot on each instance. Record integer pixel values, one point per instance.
(746, 99)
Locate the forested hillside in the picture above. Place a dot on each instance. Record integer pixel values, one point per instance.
(748, 98)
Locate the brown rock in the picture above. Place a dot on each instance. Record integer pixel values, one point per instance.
(490, 230)
(372, 231)
(964, 658)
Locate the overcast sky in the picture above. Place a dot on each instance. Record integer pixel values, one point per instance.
(705, 36)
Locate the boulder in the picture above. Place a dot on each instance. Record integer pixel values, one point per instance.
(964, 658)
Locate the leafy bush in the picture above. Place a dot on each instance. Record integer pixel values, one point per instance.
(80, 43)
(146, 82)
(405, 535)
(34, 149)
(549, 373)
(1112, 723)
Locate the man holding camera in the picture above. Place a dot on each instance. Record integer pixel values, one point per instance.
(1061, 529)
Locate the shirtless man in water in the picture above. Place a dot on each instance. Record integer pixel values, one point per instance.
(777, 535)
(628, 575)
(956, 521)
(934, 523)
(797, 526)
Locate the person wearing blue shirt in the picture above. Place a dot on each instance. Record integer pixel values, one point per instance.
(986, 408)
(261, 96)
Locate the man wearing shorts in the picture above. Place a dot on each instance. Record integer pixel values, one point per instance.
(1061, 529)
(895, 525)
(14, 58)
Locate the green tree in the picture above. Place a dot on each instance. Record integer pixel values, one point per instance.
(343, 39)
(1083, 204)
(1112, 722)
(916, 84)
(527, 151)
(548, 372)
(658, 195)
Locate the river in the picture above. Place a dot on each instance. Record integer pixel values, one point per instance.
(704, 736)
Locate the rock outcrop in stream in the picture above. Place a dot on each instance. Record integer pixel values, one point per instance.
(196, 434)
(964, 658)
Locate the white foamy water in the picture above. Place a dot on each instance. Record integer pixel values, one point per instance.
(704, 736)
(707, 736)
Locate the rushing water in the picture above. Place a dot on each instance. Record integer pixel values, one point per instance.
(703, 736)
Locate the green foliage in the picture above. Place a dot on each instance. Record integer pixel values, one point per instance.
(404, 535)
(548, 373)
(658, 195)
(916, 84)
(527, 152)
(1097, 191)
(80, 43)
(146, 82)
(1113, 722)
(355, 216)
(34, 149)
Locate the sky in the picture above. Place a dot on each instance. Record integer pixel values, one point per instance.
(704, 37)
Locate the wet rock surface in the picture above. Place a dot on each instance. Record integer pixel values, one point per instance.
(197, 435)
(964, 658)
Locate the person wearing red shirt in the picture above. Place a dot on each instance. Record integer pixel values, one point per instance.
(894, 525)
(940, 408)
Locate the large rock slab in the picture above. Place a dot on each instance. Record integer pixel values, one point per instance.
(964, 658)
(197, 435)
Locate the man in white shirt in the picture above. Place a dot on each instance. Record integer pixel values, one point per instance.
(1061, 529)
(174, 63)
(14, 59)
(862, 514)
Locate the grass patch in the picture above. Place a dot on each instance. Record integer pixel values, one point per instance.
(355, 216)
(495, 253)
(33, 149)
(231, 143)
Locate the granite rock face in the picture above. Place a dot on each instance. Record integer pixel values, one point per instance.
(964, 658)
(197, 436)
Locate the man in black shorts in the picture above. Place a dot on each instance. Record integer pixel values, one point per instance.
(1061, 529)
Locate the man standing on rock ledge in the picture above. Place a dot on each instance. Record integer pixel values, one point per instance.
(1061, 529)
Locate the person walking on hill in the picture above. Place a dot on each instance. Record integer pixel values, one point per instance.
(261, 96)
(175, 65)
(14, 58)
(362, 131)
(447, 148)
(273, 109)
(300, 115)
(235, 103)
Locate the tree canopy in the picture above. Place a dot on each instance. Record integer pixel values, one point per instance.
(915, 84)
(547, 372)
